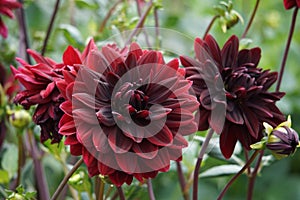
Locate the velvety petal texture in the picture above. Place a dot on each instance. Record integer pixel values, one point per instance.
(40, 83)
(6, 8)
(247, 102)
(288, 4)
(126, 112)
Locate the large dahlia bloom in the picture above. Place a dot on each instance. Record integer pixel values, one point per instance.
(229, 79)
(6, 7)
(39, 81)
(127, 114)
(288, 4)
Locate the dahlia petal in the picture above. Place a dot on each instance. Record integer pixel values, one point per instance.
(288, 4)
(66, 107)
(131, 61)
(179, 142)
(85, 115)
(119, 142)
(49, 89)
(251, 121)
(228, 140)
(235, 115)
(67, 126)
(71, 56)
(97, 62)
(71, 140)
(136, 50)
(230, 51)
(246, 56)
(39, 58)
(113, 58)
(105, 116)
(104, 169)
(145, 149)
(149, 57)
(128, 167)
(100, 141)
(91, 46)
(76, 149)
(189, 62)
(118, 178)
(174, 64)
(163, 138)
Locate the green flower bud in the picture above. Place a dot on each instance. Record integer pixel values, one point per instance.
(20, 118)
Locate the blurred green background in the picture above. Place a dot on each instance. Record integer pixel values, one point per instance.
(78, 20)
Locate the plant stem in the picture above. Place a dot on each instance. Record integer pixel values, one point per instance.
(140, 22)
(199, 161)
(286, 51)
(182, 181)
(251, 19)
(150, 189)
(100, 188)
(210, 25)
(247, 158)
(108, 15)
(40, 177)
(50, 27)
(20, 158)
(66, 178)
(23, 32)
(238, 174)
(121, 193)
(139, 10)
(253, 176)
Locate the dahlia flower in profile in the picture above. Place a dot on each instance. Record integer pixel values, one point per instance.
(6, 7)
(39, 81)
(127, 115)
(247, 101)
(288, 4)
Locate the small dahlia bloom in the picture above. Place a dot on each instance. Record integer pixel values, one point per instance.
(39, 81)
(6, 7)
(288, 4)
(282, 140)
(127, 115)
(228, 82)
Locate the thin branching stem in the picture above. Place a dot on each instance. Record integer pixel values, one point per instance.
(108, 15)
(251, 19)
(182, 181)
(66, 178)
(286, 51)
(50, 27)
(238, 174)
(150, 189)
(211, 23)
(121, 193)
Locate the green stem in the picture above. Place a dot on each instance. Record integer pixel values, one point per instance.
(20, 158)
(286, 51)
(199, 161)
(100, 191)
(251, 19)
(66, 178)
(238, 174)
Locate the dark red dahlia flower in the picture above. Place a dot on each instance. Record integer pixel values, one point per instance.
(6, 7)
(288, 4)
(230, 79)
(127, 115)
(40, 88)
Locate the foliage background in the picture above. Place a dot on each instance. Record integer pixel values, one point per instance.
(78, 20)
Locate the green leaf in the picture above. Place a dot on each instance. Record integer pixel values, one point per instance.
(72, 34)
(222, 170)
(9, 161)
(4, 177)
(86, 4)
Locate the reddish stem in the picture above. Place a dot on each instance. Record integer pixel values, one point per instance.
(182, 181)
(210, 25)
(286, 51)
(251, 19)
(108, 15)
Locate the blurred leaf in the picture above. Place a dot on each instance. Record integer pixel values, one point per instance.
(88, 4)
(222, 170)
(9, 161)
(72, 34)
(4, 178)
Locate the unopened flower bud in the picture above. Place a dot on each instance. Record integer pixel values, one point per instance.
(20, 118)
(283, 142)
